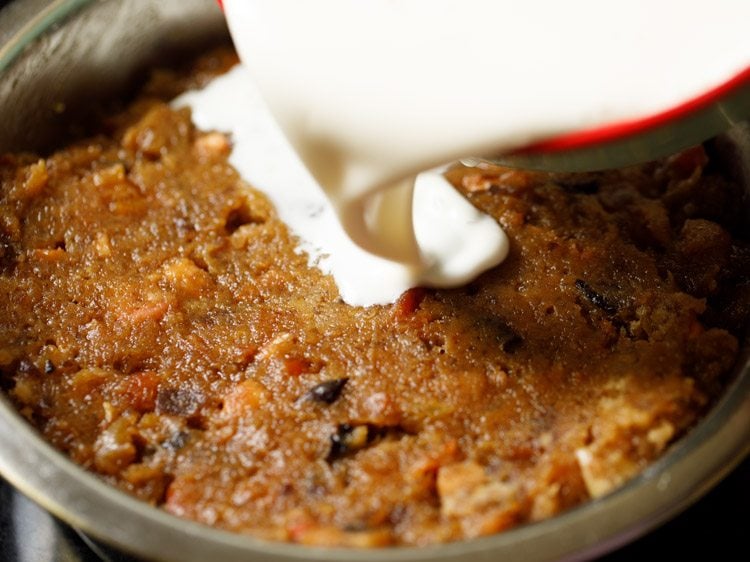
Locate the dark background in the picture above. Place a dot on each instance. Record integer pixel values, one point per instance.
(717, 528)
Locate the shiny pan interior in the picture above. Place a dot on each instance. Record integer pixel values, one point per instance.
(55, 59)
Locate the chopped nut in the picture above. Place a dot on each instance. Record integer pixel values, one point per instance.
(212, 144)
(109, 177)
(102, 245)
(248, 395)
(186, 277)
(466, 490)
(277, 347)
(109, 411)
(114, 448)
(380, 409)
(34, 182)
(52, 255)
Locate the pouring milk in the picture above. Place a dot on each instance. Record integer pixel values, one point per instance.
(370, 93)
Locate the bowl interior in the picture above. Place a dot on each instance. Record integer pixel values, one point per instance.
(52, 70)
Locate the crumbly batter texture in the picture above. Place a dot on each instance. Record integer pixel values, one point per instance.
(159, 328)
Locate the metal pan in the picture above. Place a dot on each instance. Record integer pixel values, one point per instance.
(66, 53)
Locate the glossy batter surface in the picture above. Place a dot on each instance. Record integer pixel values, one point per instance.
(159, 328)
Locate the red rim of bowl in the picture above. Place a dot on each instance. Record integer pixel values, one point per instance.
(627, 128)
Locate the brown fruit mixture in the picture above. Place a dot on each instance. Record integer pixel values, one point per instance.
(158, 326)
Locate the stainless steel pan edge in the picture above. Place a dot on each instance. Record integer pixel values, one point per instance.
(45, 64)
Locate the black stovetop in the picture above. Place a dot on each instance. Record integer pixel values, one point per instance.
(716, 528)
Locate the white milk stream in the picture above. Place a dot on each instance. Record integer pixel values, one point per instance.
(371, 92)
(457, 240)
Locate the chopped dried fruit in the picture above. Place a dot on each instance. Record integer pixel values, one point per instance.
(327, 391)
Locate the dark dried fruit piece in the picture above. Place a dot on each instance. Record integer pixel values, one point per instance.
(347, 438)
(597, 299)
(494, 330)
(350, 438)
(327, 391)
(7, 255)
(582, 184)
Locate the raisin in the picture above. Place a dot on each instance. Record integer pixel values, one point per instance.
(327, 392)
(597, 299)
